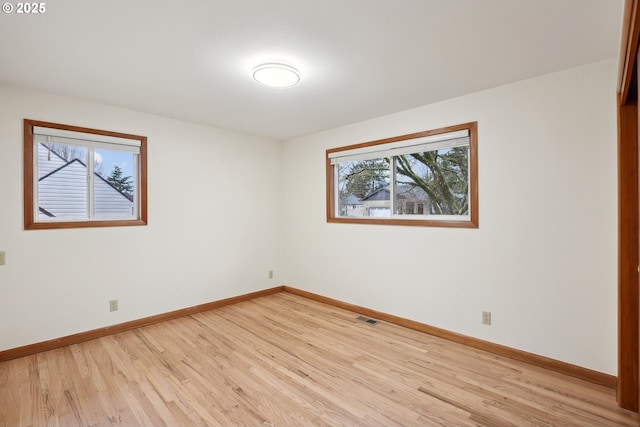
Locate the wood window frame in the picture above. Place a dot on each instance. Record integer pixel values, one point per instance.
(473, 217)
(29, 181)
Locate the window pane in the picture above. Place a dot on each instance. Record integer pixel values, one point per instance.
(62, 181)
(76, 177)
(364, 188)
(433, 182)
(114, 183)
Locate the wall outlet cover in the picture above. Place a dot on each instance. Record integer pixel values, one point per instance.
(486, 317)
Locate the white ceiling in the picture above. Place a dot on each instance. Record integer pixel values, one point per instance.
(359, 59)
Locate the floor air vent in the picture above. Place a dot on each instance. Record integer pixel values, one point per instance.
(367, 320)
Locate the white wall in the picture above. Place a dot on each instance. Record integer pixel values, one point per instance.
(544, 258)
(214, 226)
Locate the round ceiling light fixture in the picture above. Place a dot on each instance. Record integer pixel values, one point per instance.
(275, 74)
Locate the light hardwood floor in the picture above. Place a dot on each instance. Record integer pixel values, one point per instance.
(287, 360)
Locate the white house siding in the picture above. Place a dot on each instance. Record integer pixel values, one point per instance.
(109, 202)
(48, 161)
(64, 193)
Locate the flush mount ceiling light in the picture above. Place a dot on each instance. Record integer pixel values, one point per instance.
(275, 74)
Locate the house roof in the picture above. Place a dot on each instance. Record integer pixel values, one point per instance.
(46, 212)
(382, 193)
(403, 190)
(351, 200)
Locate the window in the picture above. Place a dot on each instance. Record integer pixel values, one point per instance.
(80, 177)
(426, 179)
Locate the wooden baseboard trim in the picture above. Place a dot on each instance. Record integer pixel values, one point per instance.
(523, 356)
(121, 327)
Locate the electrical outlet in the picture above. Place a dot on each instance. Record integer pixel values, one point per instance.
(113, 305)
(2, 258)
(486, 317)
(270, 274)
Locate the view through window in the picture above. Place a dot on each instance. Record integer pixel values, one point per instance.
(427, 178)
(76, 177)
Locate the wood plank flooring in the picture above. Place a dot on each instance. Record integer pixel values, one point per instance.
(285, 360)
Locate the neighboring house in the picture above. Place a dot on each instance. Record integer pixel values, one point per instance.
(411, 201)
(377, 203)
(351, 206)
(62, 190)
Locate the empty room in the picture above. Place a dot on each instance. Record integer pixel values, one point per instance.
(292, 213)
